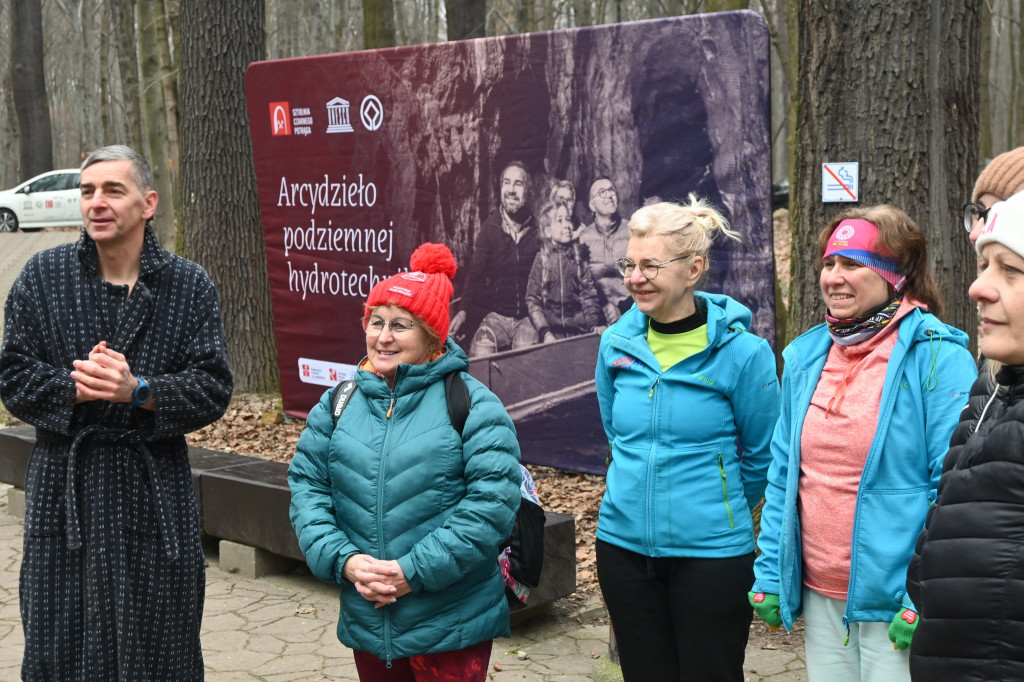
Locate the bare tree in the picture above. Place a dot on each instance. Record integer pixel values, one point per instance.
(378, 23)
(122, 15)
(220, 221)
(28, 80)
(166, 38)
(151, 35)
(904, 104)
(466, 18)
(8, 117)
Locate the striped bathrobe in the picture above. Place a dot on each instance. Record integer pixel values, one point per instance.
(112, 577)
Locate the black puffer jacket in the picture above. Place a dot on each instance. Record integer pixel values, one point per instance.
(967, 573)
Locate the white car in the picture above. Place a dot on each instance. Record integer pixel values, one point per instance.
(47, 200)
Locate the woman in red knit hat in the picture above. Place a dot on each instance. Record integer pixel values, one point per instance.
(396, 506)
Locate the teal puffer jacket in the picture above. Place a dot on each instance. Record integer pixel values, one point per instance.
(405, 488)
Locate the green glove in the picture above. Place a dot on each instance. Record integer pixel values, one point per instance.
(902, 629)
(767, 606)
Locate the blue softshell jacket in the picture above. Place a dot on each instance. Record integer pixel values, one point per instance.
(404, 487)
(677, 483)
(927, 384)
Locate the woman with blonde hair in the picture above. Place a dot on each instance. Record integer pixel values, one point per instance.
(869, 399)
(688, 399)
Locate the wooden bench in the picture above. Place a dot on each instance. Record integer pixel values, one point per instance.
(244, 500)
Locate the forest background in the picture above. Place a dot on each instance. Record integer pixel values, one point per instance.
(920, 93)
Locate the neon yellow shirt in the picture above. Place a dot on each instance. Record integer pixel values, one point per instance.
(670, 349)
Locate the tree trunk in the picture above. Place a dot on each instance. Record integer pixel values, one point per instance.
(220, 227)
(8, 117)
(169, 82)
(985, 145)
(122, 13)
(1017, 72)
(582, 14)
(904, 104)
(154, 108)
(28, 83)
(466, 18)
(378, 24)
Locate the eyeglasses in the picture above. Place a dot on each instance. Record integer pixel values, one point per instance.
(398, 326)
(649, 268)
(972, 213)
(605, 191)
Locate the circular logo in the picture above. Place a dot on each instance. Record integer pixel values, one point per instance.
(371, 113)
(845, 232)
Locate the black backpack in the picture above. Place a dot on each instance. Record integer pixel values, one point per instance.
(527, 540)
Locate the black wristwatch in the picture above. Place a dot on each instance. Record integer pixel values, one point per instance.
(142, 393)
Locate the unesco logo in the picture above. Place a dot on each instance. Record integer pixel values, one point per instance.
(371, 113)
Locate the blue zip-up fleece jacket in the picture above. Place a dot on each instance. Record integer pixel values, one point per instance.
(405, 488)
(927, 383)
(677, 484)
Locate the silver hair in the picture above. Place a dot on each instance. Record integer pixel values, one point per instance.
(141, 171)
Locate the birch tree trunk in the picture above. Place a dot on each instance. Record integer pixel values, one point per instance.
(220, 226)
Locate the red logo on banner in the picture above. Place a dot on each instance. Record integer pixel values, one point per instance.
(49, 203)
(305, 370)
(332, 374)
(280, 124)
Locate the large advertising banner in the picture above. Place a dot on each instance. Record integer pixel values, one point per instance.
(525, 155)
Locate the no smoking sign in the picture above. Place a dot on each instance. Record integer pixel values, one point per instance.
(840, 182)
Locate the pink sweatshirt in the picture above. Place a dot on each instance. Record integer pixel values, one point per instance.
(838, 431)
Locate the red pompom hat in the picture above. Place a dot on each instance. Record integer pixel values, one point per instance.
(425, 291)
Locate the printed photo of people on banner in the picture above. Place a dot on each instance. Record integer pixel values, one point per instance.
(525, 155)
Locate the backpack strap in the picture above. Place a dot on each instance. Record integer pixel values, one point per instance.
(340, 396)
(455, 388)
(458, 399)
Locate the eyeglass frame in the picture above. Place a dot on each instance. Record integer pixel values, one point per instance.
(982, 214)
(605, 191)
(621, 265)
(388, 324)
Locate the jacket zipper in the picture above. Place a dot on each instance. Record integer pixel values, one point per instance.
(874, 452)
(651, 457)
(380, 524)
(725, 491)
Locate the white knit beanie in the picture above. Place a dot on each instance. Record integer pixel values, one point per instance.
(1005, 225)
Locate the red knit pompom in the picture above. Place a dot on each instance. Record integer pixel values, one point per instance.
(433, 259)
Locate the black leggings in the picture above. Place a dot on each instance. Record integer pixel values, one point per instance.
(677, 618)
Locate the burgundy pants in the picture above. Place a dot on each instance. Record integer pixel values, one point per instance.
(463, 665)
